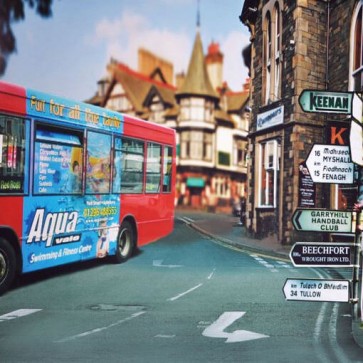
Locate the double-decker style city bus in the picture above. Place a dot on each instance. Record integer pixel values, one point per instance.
(78, 182)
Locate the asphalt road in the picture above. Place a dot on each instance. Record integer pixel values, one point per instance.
(185, 298)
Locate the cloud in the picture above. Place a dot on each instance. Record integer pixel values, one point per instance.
(124, 36)
(234, 70)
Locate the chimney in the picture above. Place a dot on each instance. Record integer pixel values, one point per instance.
(214, 63)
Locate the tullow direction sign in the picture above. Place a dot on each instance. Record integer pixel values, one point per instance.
(321, 254)
(318, 220)
(317, 290)
(323, 101)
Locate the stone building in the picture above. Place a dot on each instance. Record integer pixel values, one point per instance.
(295, 46)
(210, 120)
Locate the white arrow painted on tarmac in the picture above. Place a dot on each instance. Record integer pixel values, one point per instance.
(216, 330)
(159, 263)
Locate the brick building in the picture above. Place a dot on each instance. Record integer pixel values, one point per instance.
(296, 45)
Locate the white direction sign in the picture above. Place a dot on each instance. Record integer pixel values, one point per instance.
(321, 220)
(356, 142)
(316, 290)
(325, 101)
(330, 164)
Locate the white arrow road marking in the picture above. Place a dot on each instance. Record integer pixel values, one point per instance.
(216, 330)
(18, 314)
(159, 263)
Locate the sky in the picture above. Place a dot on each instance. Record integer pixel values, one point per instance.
(68, 53)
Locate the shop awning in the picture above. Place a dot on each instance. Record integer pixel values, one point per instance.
(195, 182)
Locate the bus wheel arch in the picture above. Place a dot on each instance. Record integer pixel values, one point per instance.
(126, 240)
(9, 263)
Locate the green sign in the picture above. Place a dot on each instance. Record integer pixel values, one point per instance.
(321, 220)
(326, 102)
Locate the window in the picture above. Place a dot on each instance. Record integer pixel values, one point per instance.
(221, 187)
(167, 168)
(277, 53)
(58, 161)
(196, 145)
(196, 109)
(240, 148)
(157, 110)
(356, 50)
(224, 158)
(268, 58)
(128, 166)
(98, 168)
(272, 51)
(153, 168)
(12, 155)
(269, 173)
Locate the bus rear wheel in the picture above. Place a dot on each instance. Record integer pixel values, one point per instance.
(7, 265)
(125, 242)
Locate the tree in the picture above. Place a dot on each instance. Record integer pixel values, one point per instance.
(10, 12)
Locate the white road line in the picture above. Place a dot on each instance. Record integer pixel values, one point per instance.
(98, 330)
(18, 314)
(186, 220)
(166, 336)
(265, 263)
(211, 274)
(184, 293)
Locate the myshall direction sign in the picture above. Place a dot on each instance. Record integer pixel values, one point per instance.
(330, 164)
(327, 102)
(317, 290)
(318, 220)
(321, 254)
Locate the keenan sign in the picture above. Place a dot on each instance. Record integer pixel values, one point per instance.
(327, 102)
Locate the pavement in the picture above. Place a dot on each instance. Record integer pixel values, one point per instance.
(227, 229)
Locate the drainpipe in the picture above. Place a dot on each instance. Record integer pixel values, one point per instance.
(327, 45)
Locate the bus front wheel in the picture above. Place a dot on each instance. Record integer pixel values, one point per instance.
(125, 242)
(7, 265)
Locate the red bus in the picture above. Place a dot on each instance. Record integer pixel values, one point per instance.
(78, 182)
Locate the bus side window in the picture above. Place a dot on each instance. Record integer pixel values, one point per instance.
(12, 155)
(167, 168)
(132, 166)
(153, 168)
(98, 168)
(58, 161)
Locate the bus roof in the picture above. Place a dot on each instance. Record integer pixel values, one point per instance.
(26, 101)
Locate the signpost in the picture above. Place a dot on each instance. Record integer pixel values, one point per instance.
(326, 102)
(333, 164)
(316, 290)
(330, 164)
(325, 254)
(321, 220)
(356, 142)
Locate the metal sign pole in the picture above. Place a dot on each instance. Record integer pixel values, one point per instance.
(358, 248)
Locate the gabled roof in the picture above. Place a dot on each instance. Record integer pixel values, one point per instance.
(236, 101)
(197, 81)
(137, 86)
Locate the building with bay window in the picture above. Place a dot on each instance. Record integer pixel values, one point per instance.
(295, 46)
(211, 121)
